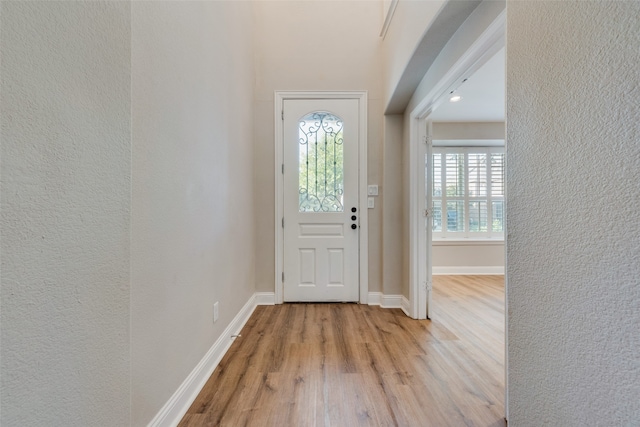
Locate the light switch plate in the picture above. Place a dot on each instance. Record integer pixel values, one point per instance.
(372, 190)
(371, 202)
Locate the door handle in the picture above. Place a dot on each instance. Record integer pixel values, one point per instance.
(353, 218)
(353, 226)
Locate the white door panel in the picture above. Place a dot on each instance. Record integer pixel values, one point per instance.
(320, 192)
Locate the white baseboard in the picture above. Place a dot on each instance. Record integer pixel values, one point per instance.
(265, 298)
(175, 408)
(468, 271)
(405, 306)
(374, 298)
(385, 301)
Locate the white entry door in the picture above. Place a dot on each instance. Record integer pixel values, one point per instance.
(321, 227)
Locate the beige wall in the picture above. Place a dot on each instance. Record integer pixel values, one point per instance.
(468, 130)
(573, 248)
(467, 258)
(128, 201)
(300, 46)
(65, 186)
(392, 209)
(411, 20)
(192, 233)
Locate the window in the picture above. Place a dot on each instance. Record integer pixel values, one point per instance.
(468, 192)
(321, 163)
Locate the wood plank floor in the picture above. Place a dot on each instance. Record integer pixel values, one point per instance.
(358, 365)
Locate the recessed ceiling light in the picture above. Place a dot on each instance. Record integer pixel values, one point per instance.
(455, 98)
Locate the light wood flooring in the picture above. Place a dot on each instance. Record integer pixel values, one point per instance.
(358, 365)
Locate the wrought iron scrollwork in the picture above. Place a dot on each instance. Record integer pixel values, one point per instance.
(321, 163)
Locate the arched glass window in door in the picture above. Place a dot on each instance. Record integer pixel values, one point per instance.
(321, 165)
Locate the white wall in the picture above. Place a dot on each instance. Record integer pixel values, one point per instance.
(573, 249)
(301, 46)
(193, 204)
(65, 187)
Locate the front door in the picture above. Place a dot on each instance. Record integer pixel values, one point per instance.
(321, 227)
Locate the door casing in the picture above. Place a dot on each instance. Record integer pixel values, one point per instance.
(363, 242)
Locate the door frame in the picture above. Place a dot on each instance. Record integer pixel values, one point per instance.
(363, 235)
(489, 42)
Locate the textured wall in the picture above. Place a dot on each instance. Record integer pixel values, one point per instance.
(573, 248)
(301, 46)
(192, 221)
(65, 213)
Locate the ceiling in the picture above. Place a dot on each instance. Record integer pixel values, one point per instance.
(482, 96)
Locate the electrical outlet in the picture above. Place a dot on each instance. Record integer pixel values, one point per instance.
(215, 312)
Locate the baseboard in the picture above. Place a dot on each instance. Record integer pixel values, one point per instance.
(175, 408)
(385, 301)
(405, 306)
(468, 271)
(265, 298)
(374, 298)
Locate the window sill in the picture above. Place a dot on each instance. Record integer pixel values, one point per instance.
(467, 242)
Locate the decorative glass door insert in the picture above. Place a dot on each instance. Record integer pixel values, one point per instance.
(321, 163)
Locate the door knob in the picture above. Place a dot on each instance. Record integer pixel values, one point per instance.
(353, 226)
(353, 209)
(353, 217)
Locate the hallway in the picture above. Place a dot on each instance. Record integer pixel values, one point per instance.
(351, 364)
(139, 215)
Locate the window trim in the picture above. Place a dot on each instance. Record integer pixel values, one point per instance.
(487, 241)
